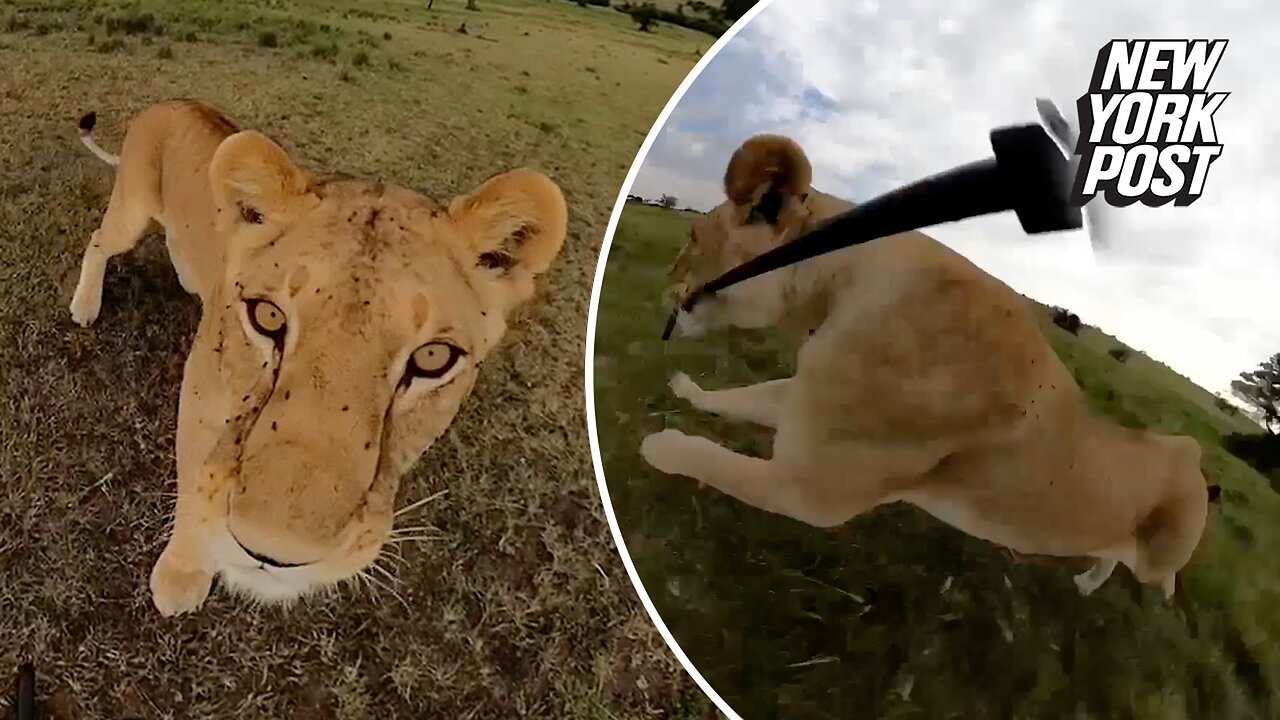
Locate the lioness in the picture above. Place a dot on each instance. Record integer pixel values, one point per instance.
(923, 379)
(342, 324)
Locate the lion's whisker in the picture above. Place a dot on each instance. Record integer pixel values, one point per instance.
(420, 503)
(368, 583)
(388, 588)
(393, 557)
(416, 528)
(386, 573)
(414, 538)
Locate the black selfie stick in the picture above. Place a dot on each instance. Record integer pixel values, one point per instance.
(25, 702)
(1028, 175)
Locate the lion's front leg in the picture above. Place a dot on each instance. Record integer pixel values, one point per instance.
(760, 403)
(183, 576)
(129, 212)
(775, 485)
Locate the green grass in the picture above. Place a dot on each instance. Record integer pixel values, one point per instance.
(523, 608)
(894, 613)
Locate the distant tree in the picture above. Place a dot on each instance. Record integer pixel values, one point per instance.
(1260, 450)
(1225, 406)
(668, 201)
(1260, 389)
(734, 9)
(1066, 320)
(698, 7)
(694, 14)
(646, 16)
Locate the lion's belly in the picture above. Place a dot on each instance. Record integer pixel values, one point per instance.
(182, 266)
(191, 238)
(1033, 526)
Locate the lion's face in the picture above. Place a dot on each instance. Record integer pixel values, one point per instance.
(352, 322)
(766, 184)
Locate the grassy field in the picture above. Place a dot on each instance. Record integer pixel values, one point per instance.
(522, 608)
(895, 615)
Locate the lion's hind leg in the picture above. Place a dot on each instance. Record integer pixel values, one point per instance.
(1092, 579)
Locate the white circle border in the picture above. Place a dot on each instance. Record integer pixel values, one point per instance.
(589, 354)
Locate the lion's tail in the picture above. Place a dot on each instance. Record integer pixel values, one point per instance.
(86, 136)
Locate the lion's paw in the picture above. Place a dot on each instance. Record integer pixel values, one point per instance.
(665, 450)
(684, 387)
(1086, 583)
(175, 589)
(85, 307)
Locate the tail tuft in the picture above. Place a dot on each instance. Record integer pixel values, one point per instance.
(86, 138)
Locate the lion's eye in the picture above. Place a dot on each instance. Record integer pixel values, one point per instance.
(267, 319)
(433, 360)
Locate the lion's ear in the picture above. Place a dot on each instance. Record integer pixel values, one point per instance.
(253, 179)
(515, 224)
(767, 178)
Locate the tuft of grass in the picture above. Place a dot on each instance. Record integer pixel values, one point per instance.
(112, 45)
(131, 22)
(16, 23)
(165, 52)
(268, 39)
(324, 51)
(360, 59)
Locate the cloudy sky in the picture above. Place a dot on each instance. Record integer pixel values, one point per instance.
(882, 93)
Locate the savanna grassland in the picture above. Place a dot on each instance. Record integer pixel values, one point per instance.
(895, 615)
(519, 606)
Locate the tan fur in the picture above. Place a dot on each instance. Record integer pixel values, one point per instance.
(291, 446)
(920, 378)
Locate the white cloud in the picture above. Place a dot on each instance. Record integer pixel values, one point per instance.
(880, 94)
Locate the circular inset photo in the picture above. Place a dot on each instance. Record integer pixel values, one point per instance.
(932, 374)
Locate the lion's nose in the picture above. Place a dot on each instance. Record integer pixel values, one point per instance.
(264, 559)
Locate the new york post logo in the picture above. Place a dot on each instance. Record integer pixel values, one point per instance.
(1146, 124)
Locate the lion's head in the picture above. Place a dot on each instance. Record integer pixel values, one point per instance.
(349, 327)
(766, 185)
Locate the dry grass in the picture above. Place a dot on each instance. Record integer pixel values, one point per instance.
(521, 608)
